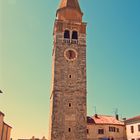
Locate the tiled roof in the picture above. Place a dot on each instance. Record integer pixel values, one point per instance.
(1, 113)
(90, 120)
(70, 3)
(7, 125)
(136, 118)
(104, 119)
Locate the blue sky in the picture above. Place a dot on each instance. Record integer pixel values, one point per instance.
(113, 60)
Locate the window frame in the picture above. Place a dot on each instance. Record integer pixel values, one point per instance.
(101, 131)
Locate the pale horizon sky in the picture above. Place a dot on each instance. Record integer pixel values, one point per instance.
(26, 41)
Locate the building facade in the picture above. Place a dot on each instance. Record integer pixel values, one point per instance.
(68, 95)
(133, 128)
(33, 138)
(102, 127)
(5, 129)
(1, 124)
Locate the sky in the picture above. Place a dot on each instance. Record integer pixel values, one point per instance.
(26, 41)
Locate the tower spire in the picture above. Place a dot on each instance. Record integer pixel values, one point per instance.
(74, 4)
(69, 10)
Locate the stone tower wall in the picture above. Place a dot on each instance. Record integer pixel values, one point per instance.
(68, 95)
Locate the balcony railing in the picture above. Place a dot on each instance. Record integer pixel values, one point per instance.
(67, 41)
(72, 41)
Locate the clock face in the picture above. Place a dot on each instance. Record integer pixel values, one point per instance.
(70, 54)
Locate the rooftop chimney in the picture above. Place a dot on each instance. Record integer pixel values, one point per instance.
(96, 115)
(117, 116)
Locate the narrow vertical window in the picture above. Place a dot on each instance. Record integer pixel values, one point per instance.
(69, 104)
(114, 129)
(132, 129)
(139, 128)
(87, 131)
(69, 76)
(69, 130)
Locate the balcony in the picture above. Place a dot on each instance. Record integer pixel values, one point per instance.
(72, 41)
(66, 41)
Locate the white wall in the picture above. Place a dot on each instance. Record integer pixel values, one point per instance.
(136, 134)
(93, 132)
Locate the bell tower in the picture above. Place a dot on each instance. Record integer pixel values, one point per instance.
(68, 95)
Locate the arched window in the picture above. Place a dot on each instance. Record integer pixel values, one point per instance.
(74, 35)
(67, 34)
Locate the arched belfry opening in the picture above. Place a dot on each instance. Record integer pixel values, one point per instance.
(74, 35)
(67, 34)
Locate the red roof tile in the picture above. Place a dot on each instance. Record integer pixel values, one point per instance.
(133, 119)
(104, 119)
